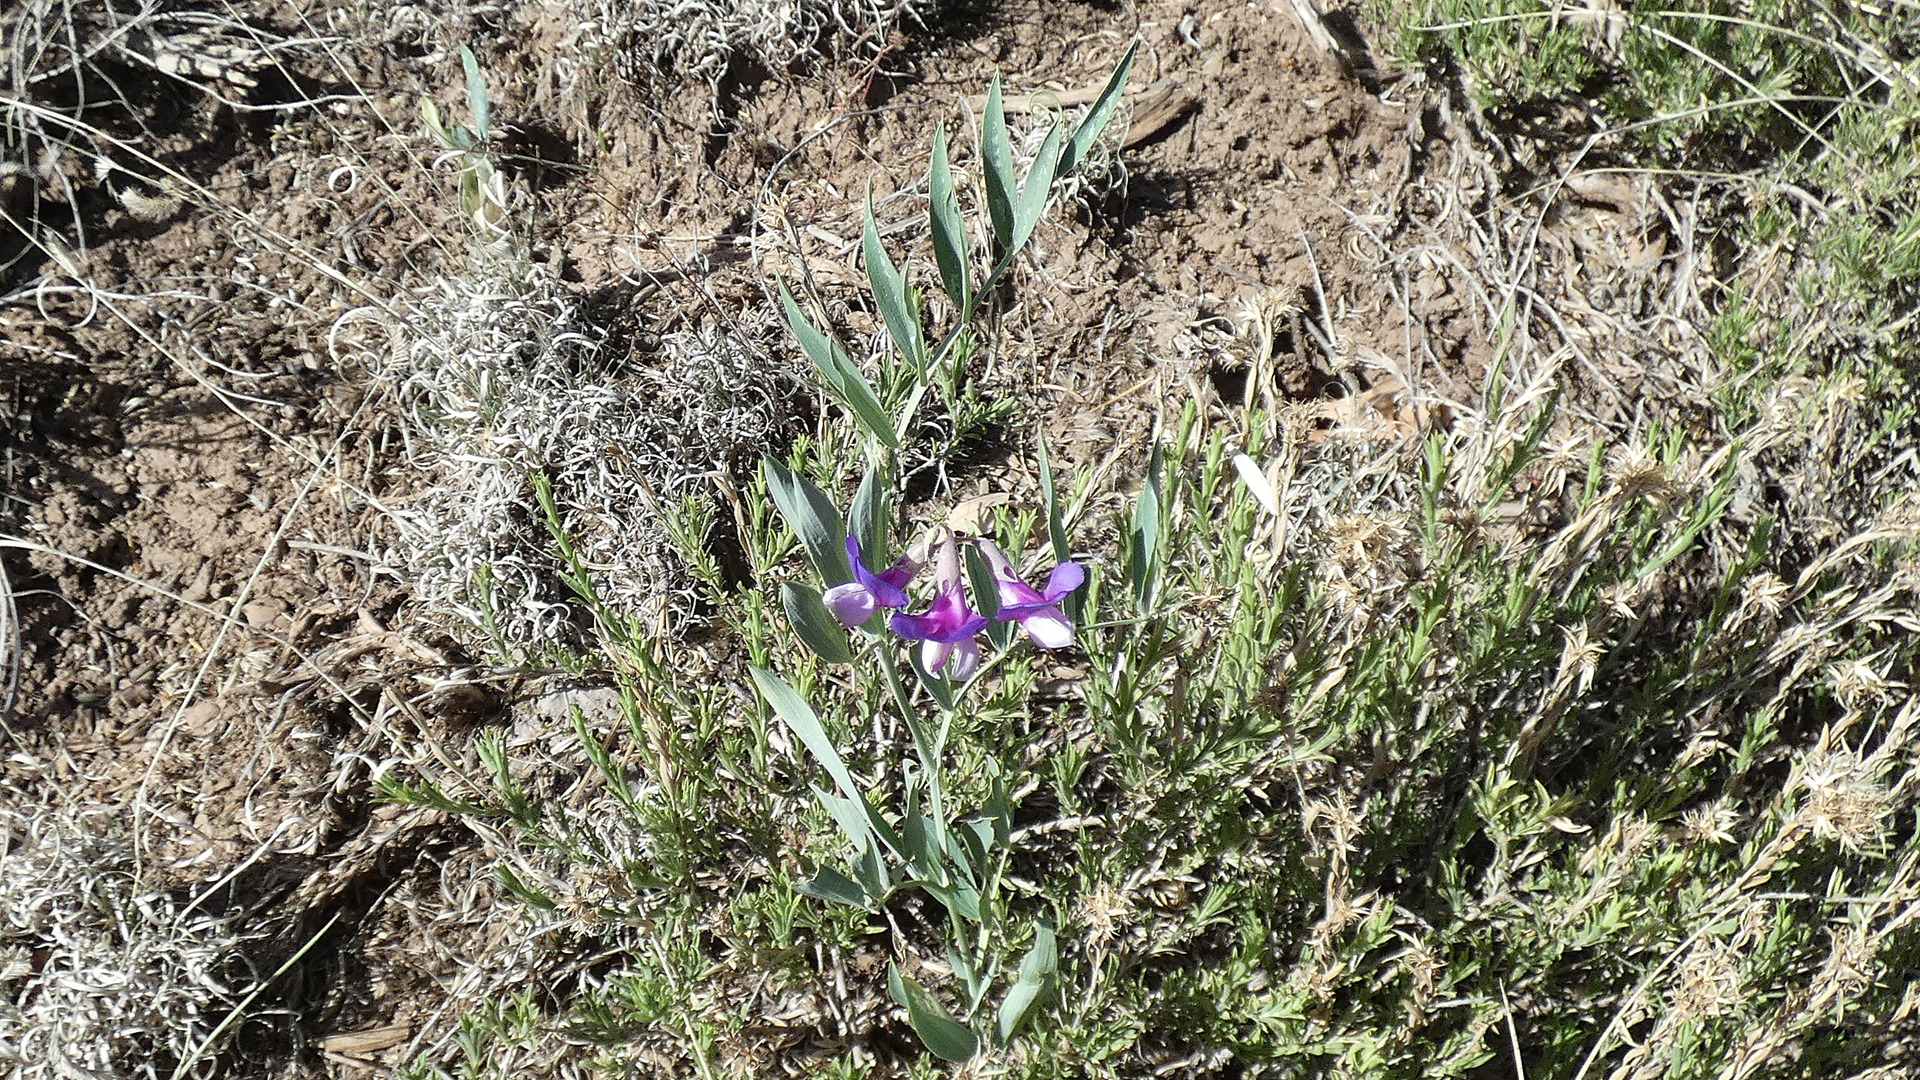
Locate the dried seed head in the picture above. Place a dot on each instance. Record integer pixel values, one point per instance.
(1857, 682)
(1638, 477)
(1709, 824)
(1845, 799)
(1763, 593)
(1105, 913)
(1707, 983)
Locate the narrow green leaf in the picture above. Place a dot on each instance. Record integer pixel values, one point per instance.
(966, 974)
(999, 808)
(957, 896)
(477, 93)
(849, 815)
(1143, 539)
(813, 519)
(869, 516)
(986, 597)
(996, 155)
(943, 1035)
(840, 374)
(800, 719)
(871, 868)
(974, 838)
(949, 232)
(940, 688)
(859, 820)
(1098, 117)
(916, 838)
(1057, 529)
(833, 886)
(1036, 971)
(1035, 189)
(1050, 504)
(430, 113)
(890, 295)
(814, 624)
(520, 890)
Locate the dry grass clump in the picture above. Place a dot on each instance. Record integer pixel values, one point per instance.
(646, 41)
(62, 63)
(507, 387)
(101, 980)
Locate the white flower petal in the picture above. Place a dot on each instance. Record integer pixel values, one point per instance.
(1049, 629)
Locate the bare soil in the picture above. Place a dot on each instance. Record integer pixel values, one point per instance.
(210, 633)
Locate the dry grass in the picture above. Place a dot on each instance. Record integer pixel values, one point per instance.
(101, 979)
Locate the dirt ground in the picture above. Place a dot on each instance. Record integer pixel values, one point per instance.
(210, 630)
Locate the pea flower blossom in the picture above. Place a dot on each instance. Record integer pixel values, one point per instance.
(1036, 610)
(948, 630)
(854, 602)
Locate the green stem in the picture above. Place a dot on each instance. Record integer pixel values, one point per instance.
(947, 342)
(929, 754)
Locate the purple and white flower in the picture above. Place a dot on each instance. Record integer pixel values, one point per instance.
(947, 631)
(854, 602)
(1036, 610)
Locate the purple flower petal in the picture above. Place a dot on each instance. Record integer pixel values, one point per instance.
(948, 620)
(888, 588)
(852, 604)
(1037, 613)
(1047, 628)
(964, 660)
(1065, 578)
(947, 628)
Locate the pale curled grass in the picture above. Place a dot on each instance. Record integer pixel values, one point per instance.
(103, 980)
(652, 41)
(501, 378)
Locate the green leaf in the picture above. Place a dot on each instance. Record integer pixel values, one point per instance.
(872, 871)
(999, 808)
(996, 154)
(974, 842)
(1050, 504)
(1057, 529)
(949, 232)
(1034, 190)
(1143, 537)
(986, 597)
(851, 816)
(869, 515)
(890, 295)
(833, 886)
(430, 113)
(943, 1035)
(520, 890)
(812, 517)
(477, 93)
(917, 835)
(940, 688)
(800, 719)
(814, 624)
(1036, 971)
(967, 975)
(1098, 116)
(840, 374)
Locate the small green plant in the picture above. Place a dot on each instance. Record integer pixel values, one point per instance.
(922, 844)
(483, 189)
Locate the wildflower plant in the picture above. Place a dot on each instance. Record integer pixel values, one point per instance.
(483, 190)
(974, 590)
